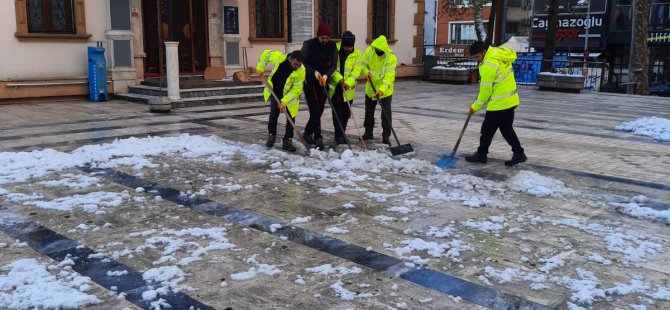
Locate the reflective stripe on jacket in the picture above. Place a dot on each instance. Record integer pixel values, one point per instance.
(497, 88)
(352, 70)
(294, 82)
(382, 68)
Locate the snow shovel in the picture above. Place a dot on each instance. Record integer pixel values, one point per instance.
(401, 148)
(351, 113)
(337, 118)
(449, 161)
(288, 116)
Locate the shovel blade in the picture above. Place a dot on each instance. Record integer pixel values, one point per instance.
(401, 149)
(447, 161)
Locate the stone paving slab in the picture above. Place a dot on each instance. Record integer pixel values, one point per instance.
(569, 137)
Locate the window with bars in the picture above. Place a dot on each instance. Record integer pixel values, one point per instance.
(331, 13)
(269, 19)
(463, 33)
(50, 16)
(381, 17)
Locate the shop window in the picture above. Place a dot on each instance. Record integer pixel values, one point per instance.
(381, 19)
(659, 16)
(333, 13)
(268, 20)
(50, 19)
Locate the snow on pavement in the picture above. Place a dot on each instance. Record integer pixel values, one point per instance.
(655, 127)
(26, 283)
(404, 188)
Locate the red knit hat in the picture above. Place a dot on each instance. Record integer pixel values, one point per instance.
(324, 30)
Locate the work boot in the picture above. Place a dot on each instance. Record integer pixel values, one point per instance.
(517, 158)
(271, 141)
(319, 144)
(309, 138)
(476, 157)
(287, 145)
(340, 140)
(368, 134)
(386, 140)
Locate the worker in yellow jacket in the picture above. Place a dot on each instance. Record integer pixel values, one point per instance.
(379, 63)
(497, 90)
(341, 85)
(286, 81)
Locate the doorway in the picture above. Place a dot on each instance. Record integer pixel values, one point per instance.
(184, 21)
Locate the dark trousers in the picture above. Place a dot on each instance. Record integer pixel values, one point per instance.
(370, 106)
(493, 120)
(342, 111)
(316, 99)
(272, 122)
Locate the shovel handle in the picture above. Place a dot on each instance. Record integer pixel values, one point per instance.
(351, 112)
(337, 118)
(458, 142)
(383, 110)
(288, 116)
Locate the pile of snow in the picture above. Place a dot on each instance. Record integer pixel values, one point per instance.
(631, 245)
(189, 243)
(73, 181)
(655, 127)
(538, 185)
(328, 269)
(636, 208)
(26, 284)
(90, 202)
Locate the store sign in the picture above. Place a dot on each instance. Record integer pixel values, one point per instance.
(230, 20)
(570, 31)
(541, 7)
(452, 50)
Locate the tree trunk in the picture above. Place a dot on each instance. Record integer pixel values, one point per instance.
(550, 39)
(491, 24)
(480, 30)
(640, 65)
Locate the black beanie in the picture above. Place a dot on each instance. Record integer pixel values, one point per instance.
(348, 38)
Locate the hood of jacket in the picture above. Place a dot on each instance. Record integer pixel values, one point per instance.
(502, 54)
(381, 44)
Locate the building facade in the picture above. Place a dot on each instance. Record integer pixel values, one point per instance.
(603, 27)
(45, 41)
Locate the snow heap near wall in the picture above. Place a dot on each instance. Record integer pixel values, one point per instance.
(655, 127)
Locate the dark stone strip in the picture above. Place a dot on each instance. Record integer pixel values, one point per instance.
(58, 247)
(431, 279)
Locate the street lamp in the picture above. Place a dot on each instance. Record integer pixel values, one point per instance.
(587, 25)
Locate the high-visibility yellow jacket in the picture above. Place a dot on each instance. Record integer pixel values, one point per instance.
(352, 69)
(382, 68)
(497, 88)
(293, 85)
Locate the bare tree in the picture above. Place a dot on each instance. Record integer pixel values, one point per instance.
(550, 39)
(638, 66)
(459, 7)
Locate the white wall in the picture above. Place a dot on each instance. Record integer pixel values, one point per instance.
(404, 31)
(40, 59)
(357, 22)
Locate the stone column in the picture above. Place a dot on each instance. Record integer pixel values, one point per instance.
(172, 64)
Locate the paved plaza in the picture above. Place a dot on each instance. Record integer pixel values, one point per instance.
(133, 210)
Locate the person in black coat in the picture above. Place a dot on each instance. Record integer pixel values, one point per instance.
(320, 61)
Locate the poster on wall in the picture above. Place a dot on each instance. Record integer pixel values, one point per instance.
(230, 20)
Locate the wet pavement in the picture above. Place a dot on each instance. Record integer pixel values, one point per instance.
(569, 137)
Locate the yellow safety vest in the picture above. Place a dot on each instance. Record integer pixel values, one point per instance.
(352, 70)
(294, 82)
(497, 88)
(382, 68)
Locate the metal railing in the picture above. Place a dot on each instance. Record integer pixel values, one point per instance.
(595, 73)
